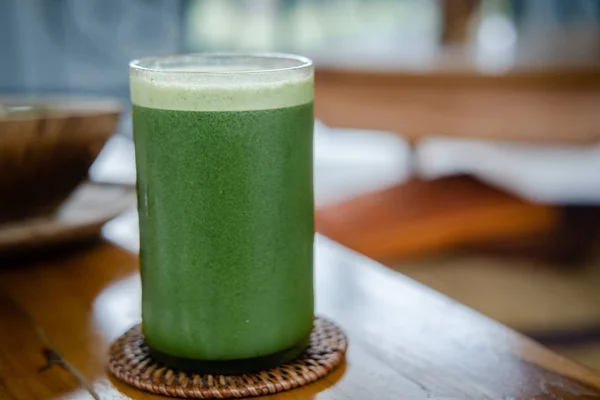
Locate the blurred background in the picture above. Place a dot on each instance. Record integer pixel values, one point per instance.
(456, 141)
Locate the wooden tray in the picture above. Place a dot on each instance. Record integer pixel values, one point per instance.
(80, 217)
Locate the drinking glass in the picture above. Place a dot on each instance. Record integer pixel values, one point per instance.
(223, 146)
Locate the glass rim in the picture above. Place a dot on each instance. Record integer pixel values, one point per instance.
(303, 62)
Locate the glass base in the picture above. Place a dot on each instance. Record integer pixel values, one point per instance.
(231, 367)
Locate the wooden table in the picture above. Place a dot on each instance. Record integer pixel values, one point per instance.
(406, 341)
(547, 106)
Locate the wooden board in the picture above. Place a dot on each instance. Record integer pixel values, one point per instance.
(421, 217)
(555, 106)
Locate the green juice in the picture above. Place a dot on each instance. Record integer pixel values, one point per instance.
(225, 204)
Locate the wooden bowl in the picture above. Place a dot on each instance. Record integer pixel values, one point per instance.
(46, 148)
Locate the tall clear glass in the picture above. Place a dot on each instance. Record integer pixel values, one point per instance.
(223, 148)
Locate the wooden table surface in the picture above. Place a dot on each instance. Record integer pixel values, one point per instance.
(406, 341)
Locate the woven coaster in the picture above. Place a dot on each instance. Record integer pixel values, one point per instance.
(130, 361)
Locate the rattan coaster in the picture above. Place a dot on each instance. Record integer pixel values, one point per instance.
(130, 361)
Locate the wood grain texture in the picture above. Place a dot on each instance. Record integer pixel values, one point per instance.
(554, 106)
(405, 340)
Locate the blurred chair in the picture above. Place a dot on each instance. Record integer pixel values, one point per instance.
(456, 94)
